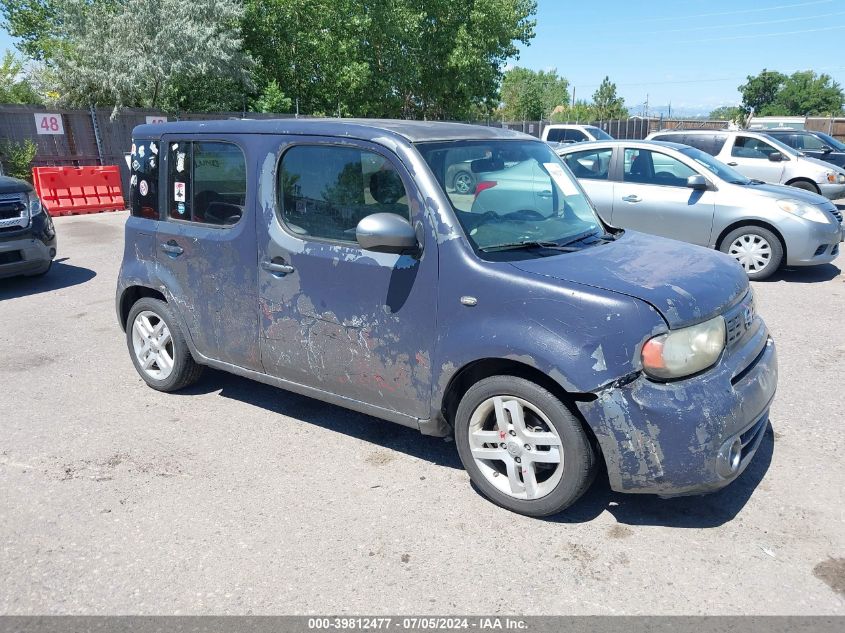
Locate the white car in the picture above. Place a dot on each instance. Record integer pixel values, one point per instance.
(759, 156)
(566, 133)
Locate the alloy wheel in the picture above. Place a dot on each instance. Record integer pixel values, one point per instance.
(516, 447)
(153, 345)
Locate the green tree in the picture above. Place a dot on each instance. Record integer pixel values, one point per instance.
(36, 23)
(532, 95)
(805, 94)
(133, 52)
(272, 99)
(760, 91)
(727, 113)
(398, 58)
(17, 158)
(578, 112)
(607, 104)
(14, 86)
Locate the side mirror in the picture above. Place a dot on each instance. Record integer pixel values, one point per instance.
(827, 149)
(776, 157)
(697, 182)
(386, 233)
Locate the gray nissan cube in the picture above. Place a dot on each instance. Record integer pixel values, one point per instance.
(336, 259)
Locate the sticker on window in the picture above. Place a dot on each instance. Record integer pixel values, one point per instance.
(179, 192)
(180, 162)
(561, 180)
(180, 208)
(143, 188)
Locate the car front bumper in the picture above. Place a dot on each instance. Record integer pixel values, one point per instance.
(676, 438)
(815, 243)
(831, 191)
(30, 250)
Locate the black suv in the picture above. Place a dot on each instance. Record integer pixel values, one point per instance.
(27, 234)
(815, 144)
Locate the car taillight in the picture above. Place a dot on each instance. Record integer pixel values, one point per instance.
(485, 184)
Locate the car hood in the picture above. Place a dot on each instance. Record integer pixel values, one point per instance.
(781, 192)
(13, 185)
(685, 283)
(821, 164)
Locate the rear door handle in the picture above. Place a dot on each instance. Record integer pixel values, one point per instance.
(172, 248)
(278, 268)
(632, 198)
(545, 194)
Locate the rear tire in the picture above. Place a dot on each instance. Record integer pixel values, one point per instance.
(758, 250)
(522, 447)
(157, 346)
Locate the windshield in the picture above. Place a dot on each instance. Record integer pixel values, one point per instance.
(507, 193)
(599, 134)
(831, 141)
(718, 168)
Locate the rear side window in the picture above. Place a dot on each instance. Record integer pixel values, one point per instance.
(708, 143)
(143, 179)
(206, 182)
(325, 190)
(592, 164)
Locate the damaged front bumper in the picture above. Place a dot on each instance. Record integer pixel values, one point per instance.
(689, 436)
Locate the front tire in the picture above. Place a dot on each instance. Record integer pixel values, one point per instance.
(806, 186)
(157, 347)
(522, 447)
(757, 250)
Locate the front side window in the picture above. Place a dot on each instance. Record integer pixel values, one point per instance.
(143, 179)
(592, 164)
(206, 182)
(750, 147)
(325, 190)
(655, 168)
(808, 141)
(599, 134)
(523, 195)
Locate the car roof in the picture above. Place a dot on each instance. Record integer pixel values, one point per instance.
(568, 149)
(364, 129)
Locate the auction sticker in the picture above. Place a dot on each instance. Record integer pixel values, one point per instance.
(179, 191)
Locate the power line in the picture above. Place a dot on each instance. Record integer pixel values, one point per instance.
(737, 12)
(734, 26)
(759, 35)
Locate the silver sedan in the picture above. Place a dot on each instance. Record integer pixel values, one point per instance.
(680, 192)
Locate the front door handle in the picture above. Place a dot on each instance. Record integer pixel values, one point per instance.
(733, 164)
(172, 248)
(545, 194)
(277, 267)
(632, 198)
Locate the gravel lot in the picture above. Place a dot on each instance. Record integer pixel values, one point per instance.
(239, 498)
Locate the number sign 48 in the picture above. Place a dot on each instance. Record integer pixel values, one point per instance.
(49, 123)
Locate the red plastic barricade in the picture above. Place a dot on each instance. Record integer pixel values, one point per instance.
(75, 190)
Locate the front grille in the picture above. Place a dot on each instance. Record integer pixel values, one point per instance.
(10, 257)
(738, 319)
(13, 214)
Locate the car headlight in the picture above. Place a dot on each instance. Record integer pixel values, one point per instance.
(803, 210)
(35, 206)
(840, 178)
(686, 351)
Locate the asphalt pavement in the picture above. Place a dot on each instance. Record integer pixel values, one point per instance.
(235, 497)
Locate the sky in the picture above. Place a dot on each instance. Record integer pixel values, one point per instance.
(692, 54)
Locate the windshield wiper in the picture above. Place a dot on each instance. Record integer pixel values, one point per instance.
(582, 236)
(530, 244)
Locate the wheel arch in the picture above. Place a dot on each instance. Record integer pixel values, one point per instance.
(792, 182)
(477, 370)
(130, 297)
(752, 222)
